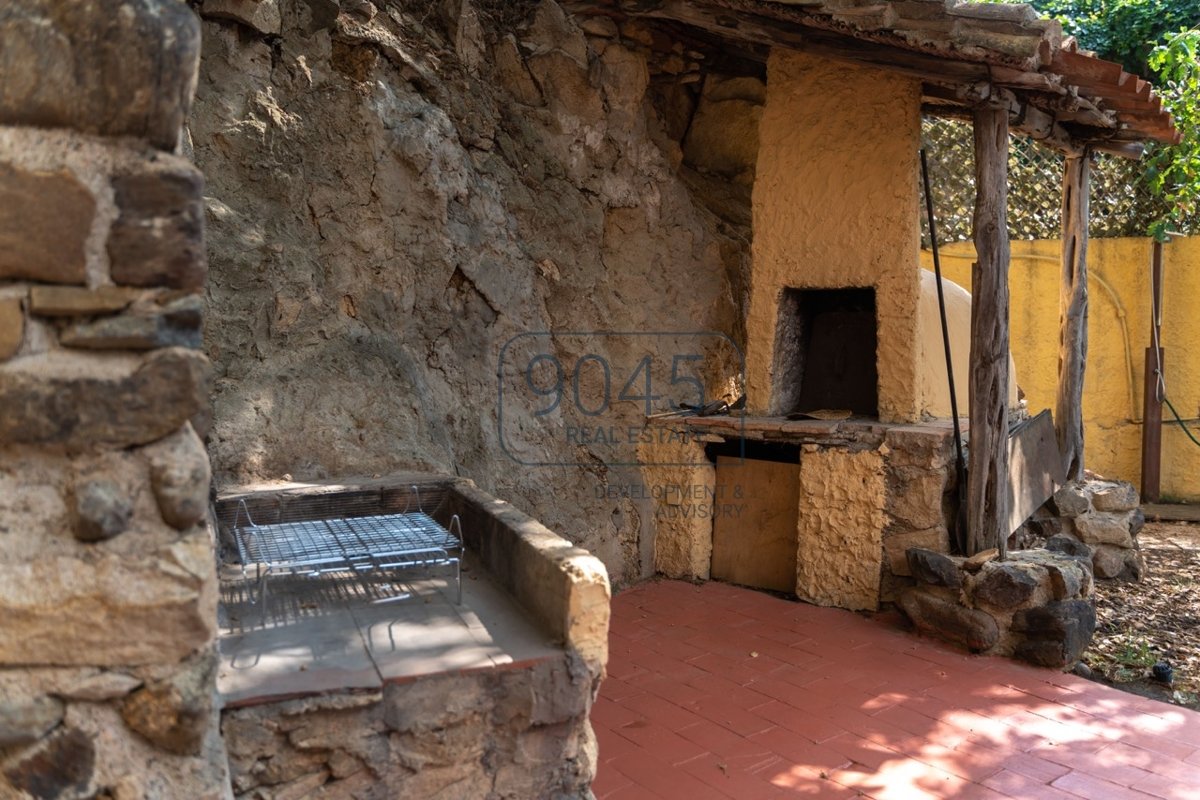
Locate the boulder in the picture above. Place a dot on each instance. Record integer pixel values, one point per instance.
(972, 628)
(109, 610)
(1101, 527)
(1137, 521)
(119, 68)
(173, 714)
(75, 301)
(24, 720)
(896, 546)
(45, 218)
(12, 327)
(933, 568)
(1071, 500)
(1068, 545)
(1115, 497)
(175, 324)
(1109, 561)
(1056, 634)
(61, 766)
(1007, 585)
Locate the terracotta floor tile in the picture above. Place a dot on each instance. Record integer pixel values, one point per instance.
(880, 713)
(731, 715)
(1021, 787)
(661, 742)
(731, 781)
(1094, 788)
(656, 776)
(608, 781)
(722, 741)
(1031, 766)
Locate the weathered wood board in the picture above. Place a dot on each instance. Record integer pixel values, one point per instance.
(756, 546)
(1035, 467)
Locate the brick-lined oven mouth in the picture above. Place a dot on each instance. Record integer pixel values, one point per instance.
(826, 342)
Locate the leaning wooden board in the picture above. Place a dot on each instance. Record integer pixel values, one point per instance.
(754, 529)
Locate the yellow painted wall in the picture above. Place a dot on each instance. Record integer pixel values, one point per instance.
(835, 206)
(1119, 323)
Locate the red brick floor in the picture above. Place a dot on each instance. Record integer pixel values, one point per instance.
(717, 692)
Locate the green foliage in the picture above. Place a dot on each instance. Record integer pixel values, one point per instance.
(1173, 171)
(1158, 39)
(1121, 30)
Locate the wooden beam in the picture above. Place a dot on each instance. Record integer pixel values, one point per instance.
(1073, 313)
(1152, 403)
(988, 478)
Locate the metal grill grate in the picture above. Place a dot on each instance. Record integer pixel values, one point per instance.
(348, 544)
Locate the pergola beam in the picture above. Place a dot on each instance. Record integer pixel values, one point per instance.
(1073, 314)
(988, 478)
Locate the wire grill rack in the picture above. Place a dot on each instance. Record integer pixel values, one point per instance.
(348, 544)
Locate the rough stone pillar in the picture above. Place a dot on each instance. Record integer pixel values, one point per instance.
(107, 578)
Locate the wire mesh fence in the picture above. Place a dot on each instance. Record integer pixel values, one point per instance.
(1121, 202)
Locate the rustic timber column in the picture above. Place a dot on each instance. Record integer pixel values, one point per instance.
(987, 485)
(1073, 312)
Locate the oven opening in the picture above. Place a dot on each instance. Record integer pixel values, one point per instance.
(825, 352)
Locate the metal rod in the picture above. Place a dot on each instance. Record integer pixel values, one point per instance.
(960, 467)
(1153, 394)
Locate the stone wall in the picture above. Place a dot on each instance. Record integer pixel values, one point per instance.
(396, 190)
(107, 583)
(511, 734)
(1035, 605)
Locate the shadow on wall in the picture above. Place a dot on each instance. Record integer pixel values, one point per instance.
(1118, 334)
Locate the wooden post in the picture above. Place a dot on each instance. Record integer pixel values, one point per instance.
(1152, 403)
(988, 479)
(1073, 315)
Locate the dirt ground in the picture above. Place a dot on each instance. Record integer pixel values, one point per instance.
(1140, 624)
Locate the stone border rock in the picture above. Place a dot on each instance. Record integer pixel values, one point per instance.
(1035, 606)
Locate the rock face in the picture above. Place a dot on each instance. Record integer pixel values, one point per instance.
(121, 68)
(383, 218)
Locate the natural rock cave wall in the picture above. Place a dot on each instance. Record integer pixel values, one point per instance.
(107, 581)
(397, 189)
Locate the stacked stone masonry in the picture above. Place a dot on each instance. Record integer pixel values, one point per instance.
(1036, 605)
(1099, 519)
(107, 582)
(514, 733)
